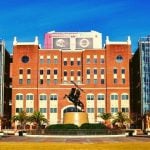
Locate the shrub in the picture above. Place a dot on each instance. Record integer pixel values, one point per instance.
(93, 126)
(62, 126)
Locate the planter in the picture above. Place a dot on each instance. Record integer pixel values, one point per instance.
(1, 133)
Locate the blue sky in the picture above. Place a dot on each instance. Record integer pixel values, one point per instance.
(26, 19)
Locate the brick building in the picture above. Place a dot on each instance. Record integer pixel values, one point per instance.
(41, 76)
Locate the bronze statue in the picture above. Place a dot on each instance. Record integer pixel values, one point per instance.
(74, 96)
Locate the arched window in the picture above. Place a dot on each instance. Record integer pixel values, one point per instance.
(114, 96)
(124, 96)
(19, 96)
(29, 96)
(43, 97)
(90, 96)
(53, 97)
(101, 96)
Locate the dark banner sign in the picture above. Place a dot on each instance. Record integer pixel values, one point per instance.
(61, 43)
(84, 43)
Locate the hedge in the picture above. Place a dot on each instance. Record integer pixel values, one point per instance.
(62, 126)
(73, 126)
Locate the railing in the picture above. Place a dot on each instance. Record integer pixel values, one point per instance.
(76, 132)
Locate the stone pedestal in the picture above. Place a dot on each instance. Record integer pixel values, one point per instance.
(77, 118)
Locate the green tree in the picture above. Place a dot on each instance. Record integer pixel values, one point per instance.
(106, 117)
(38, 118)
(22, 118)
(120, 119)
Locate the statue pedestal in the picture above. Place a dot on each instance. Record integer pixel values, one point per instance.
(77, 118)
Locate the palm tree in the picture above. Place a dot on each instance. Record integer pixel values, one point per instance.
(22, 118)
(106, 117)
(38, 118)
(120, 118)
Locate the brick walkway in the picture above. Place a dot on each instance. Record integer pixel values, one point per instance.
(11, 138)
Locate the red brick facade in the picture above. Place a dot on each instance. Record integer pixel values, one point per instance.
(92, 69)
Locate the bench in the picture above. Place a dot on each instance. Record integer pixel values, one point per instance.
(148, 132)
(9, 131)
(129, 132)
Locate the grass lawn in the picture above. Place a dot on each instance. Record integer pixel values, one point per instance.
(74, 146)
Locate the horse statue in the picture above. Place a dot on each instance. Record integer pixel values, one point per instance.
(74, 98)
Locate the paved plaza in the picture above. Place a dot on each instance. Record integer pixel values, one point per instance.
(12, 138)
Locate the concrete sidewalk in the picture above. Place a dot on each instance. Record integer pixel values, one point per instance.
(79, 139)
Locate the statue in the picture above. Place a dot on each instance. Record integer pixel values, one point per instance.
(74, 96)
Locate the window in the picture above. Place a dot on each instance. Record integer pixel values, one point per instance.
(55, 71)
(25, 59)
(53, 110)
(41, 60)
(123, 81)
(100, 97)
(20, 71)
(29, 110)
(114, 97)
(95, 81)
(65, 73)
(102, 71)
(19, 97)
(55, 61)
(20, 81)
(102, 59)
(88, 81)
(48, 71)
(125, 109)
(18, 110)
(95, 71)
(41, 81)
(53, 97)
(115, 81)
(41, 71)
(90, 110)
(124, 97)
(88, 71)
(88, 60)
(29, 97)
(123, 71)
(28, 81)
(78, 62)
(72, 73)
(43, 97)
(95, 59)
(119, 59)
(101, 110)
(90, 97)
(71, 62)
(55, 81)
(115, 71)
(102, 81)
(28, 71)
(43, 110)
(79, 73)
(48, 81)
(48, 60)
(65, 63)
(114, 109)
